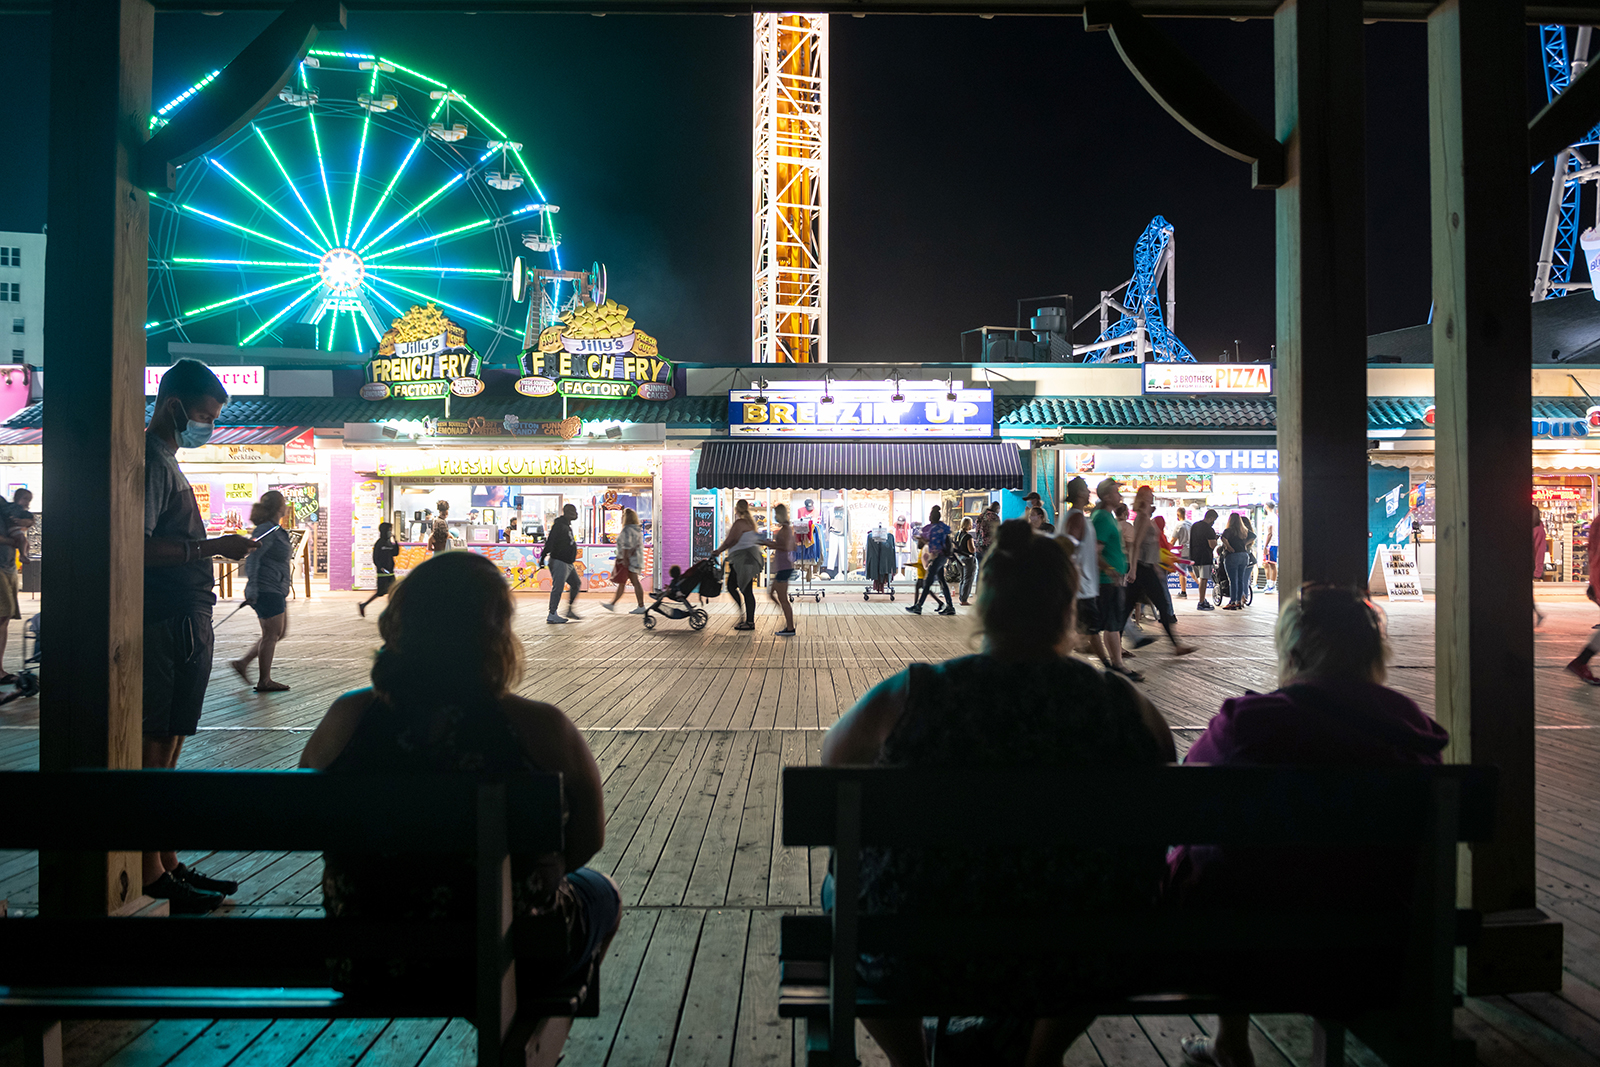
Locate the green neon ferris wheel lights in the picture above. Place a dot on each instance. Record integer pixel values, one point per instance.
(233, 260)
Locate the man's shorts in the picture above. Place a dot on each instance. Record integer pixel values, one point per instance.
(1272, 554)
(177, 667)
(10, 608)
(1201, 571)
(1089, 614)
(1110, 618)
(270, 605)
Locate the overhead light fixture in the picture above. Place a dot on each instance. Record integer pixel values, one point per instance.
(951, 384)
(827, 387)
(896, 397)
(761, 388)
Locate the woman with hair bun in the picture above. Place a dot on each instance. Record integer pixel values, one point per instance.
(1023, 701)
(268, 582)
(419, 719)
(1331, 708)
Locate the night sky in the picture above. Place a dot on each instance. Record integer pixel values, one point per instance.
(974, 161)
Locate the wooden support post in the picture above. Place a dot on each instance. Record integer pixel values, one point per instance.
(1481, 349)
(100, 55)
(1322, 293)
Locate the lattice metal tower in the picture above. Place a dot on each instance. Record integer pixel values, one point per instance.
(789, 231)
(1565, 56)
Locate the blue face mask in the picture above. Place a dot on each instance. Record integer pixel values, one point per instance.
(194, 434)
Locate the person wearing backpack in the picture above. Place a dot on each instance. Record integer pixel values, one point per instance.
(967, 556)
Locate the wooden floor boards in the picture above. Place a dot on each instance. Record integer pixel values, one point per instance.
(691, 730)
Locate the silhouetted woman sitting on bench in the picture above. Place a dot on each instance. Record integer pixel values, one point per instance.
(1331, 708)
(1022, 702)
(440, 703)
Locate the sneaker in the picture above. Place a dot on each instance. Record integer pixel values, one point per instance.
(1205, 605)
(225, 886)
(183, 899)
(784, 633)
(1271, 587)
(573, 615)
(946, 611)
(608, 605)
(640, 610)
(1582, 671)
(1183, 594)
(554, 618)
(913, 609)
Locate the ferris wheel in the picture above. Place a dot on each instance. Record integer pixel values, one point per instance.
(365, 188)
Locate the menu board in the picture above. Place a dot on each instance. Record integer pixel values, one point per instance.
(705, 530)
(366, 512)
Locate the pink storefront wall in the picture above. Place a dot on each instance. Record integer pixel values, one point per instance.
(677, 528)
(341, 479)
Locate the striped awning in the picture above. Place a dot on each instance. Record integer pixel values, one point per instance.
(257, 435)
(944, 465)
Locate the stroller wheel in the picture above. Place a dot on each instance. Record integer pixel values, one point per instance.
(649, 622)
(27, 683)
(864, 596)
(698, 619)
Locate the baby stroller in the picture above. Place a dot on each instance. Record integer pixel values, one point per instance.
(705, 578)
(27, 683)
(1219, 584)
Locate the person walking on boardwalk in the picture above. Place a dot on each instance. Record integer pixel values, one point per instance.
(1541, 548)
(418, 720)
(1180, 540)
(937, 534)
(561, 549)
(1269, 546)
(1149, 577)
(1580, 664)
(178, 602)
(630, 561)
(984, 530)
(743, 546)
(268, 582)
(1111, 616)
(1078, 531)
(385, 550)
(783, 544)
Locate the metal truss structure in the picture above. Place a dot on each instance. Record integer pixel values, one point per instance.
(1142, 332)
(1565, 55)
(789, 231)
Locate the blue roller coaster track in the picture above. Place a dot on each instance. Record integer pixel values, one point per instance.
(1152, 257)
(1555, 46)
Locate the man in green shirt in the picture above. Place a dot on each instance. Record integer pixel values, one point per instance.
(1114, 570)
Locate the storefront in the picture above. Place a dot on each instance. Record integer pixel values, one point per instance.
(502, 500)
(857, 465)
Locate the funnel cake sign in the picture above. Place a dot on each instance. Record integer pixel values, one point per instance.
(423, 356)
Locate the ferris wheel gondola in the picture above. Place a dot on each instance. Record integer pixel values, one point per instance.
(342, 204)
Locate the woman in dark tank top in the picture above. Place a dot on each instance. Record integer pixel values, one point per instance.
(1021, 702)
(440, 704)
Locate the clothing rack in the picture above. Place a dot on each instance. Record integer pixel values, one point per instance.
(880, 563)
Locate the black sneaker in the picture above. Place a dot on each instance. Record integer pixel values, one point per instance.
(183, 899)
(199, 881)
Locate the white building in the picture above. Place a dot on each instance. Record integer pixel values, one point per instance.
(22, 298)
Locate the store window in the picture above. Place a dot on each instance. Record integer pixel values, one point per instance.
(1566, 504)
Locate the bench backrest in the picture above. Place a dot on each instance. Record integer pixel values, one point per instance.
(272, 810)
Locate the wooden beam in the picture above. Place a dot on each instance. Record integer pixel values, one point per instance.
(1566, 119)
(1186, 92)
(239, 92)
(1478, 141)
(1322, 293)
(100, 57)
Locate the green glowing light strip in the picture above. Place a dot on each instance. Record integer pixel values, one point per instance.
(527, 171)
(431, 299)
(333, 328)
(252, 233)
(258, 199)
(242, 262)
(355, 326)
(290, 306)
(384, 199)
(448, 270)
(404, 218)
(413, 73)
(292, 187)
(157, 119)
(246, 296)
(340, 55)
(355, 186)
(316, 143)
(426, 240)
(386, 300)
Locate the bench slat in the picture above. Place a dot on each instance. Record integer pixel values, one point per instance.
(261, 1003)
(1147, 806)
(310, 811)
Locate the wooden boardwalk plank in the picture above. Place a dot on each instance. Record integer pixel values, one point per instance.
(708, 1025)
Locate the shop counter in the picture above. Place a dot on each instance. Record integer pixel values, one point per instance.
(520, 563)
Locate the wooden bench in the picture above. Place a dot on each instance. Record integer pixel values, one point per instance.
(142, 968)
(1423, 811)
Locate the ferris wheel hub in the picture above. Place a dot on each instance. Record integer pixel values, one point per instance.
(341, 270)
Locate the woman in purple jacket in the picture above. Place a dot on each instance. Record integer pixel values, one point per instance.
(1331, 707)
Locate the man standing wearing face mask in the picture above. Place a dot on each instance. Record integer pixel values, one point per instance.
(177, 603)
